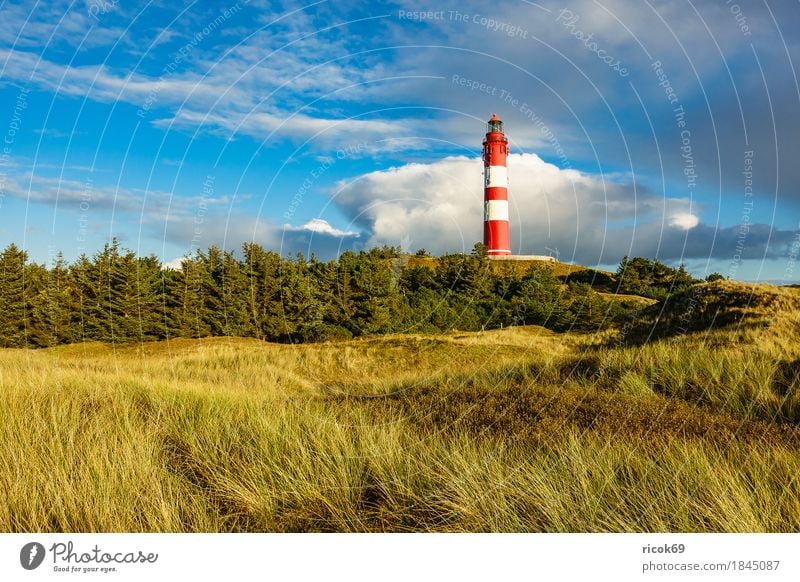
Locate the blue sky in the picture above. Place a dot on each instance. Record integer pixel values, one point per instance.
(666, 129)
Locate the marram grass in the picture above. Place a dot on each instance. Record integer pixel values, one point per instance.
(402, 433)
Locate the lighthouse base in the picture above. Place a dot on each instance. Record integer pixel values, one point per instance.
(545, 258)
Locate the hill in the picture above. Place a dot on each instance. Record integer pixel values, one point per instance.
(673, 407)
(745, 307)
(519, 268)
(520, 429)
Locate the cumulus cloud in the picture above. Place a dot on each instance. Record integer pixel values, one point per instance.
(585, 218)
(582, 217)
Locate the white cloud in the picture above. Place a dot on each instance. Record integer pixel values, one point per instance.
(318, 225)
(70, 194)
(351, 133)
(59, 22)
(684, 220)
(440, 207)
(316, 236)
(230, 97)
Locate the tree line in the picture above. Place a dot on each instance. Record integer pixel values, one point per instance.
(117, 296)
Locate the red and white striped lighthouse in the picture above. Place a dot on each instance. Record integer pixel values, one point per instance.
(495, 193)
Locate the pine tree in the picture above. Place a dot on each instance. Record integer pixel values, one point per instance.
(118, 295)
(122, 296)
(170, 309)
(324, 276)
(346, 292)
(193, 318)
(234, 297)
(88, 323)
(263, 293)
(302, 314)
(211, 287)
(54, 310)
(14, 311)
(147, 299)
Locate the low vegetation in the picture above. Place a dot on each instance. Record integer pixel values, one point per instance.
(521, 429)
(116, 296)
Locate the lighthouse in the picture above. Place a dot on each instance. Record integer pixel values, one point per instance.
(495, 190)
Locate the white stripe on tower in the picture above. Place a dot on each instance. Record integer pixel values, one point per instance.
(496, 210)
(496, 177)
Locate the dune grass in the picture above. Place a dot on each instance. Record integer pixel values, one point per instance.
(513, 430)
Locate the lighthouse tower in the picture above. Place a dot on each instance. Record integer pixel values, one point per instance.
(495, 194)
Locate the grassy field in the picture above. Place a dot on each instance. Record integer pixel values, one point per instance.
(513, 430)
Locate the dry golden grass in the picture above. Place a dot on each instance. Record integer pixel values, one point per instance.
(513, 430)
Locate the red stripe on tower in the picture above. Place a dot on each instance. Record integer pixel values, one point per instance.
(496, 235)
